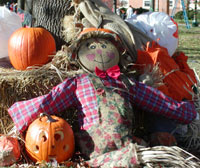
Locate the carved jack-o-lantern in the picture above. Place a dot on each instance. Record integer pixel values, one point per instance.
(49, 138)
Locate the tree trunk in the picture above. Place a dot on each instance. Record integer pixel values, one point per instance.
(28, 6)
(49, 14)
(187, 5)
(21, 4)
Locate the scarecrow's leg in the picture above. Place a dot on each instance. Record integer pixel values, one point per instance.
(160, 130)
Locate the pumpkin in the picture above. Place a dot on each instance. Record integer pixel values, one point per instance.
(9, 150)
(49, 138)
(30, 47)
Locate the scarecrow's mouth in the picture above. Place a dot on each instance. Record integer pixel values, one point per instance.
(103, 61)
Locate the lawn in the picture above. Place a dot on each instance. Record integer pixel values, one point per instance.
(189, 40)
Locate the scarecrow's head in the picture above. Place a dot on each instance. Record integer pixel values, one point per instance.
(99, 48)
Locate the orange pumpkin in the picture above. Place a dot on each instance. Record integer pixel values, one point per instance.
(49, 138)
(30, 46)
(9, 150)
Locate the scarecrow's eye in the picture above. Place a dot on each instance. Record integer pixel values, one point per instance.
(87, 44)
(92, 46)
(103, 46)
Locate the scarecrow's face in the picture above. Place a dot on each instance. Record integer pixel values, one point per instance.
(98, 52)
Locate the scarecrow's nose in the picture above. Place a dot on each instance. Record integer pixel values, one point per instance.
(99, 51)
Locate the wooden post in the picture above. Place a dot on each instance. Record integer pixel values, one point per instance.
(195, 22)
(152, 5)
(114, 5)
(167, 7)
(187, 5)
(157, 5)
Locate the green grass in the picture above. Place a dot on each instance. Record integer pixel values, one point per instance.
(181, 21)
(189, 40)
(189, 43)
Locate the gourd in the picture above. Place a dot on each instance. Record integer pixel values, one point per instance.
(30, 47)
(49, 138)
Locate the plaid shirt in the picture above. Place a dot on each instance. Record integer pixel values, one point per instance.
(80, 93)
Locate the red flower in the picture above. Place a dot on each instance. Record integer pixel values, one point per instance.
(98, 132)
(116, 115)
(100, 91)
(106, 159)
(120, 120)
(107, 137)
(133, 160)
(97, 149)
(112, 107)
(111, 145)
(117, 136)
(104, 100)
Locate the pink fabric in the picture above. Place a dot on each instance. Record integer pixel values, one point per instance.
(113, 72)
(124, 157)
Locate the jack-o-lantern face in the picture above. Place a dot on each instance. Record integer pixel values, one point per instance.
(49, 138)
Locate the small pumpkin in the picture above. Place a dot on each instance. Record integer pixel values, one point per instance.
(30, 46)
(9, 150)
(49, 138)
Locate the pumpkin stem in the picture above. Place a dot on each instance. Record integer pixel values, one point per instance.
(50, 119)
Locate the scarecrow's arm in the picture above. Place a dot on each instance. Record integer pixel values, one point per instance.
(152, 100)
(58, 99)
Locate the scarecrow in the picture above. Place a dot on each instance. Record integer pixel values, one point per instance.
(107, 99)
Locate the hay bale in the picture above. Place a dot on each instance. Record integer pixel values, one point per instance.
(23, 85)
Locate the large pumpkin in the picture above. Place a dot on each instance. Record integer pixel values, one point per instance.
(49, 138)
(30, 46)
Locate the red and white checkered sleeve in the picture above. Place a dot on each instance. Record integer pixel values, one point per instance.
(58, 99)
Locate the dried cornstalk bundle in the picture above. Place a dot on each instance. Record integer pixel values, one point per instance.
(23, 85)
(152, 76)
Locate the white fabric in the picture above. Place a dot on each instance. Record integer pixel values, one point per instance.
(9, 22)
(118, 11)
(158, 26)
(129, 12)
